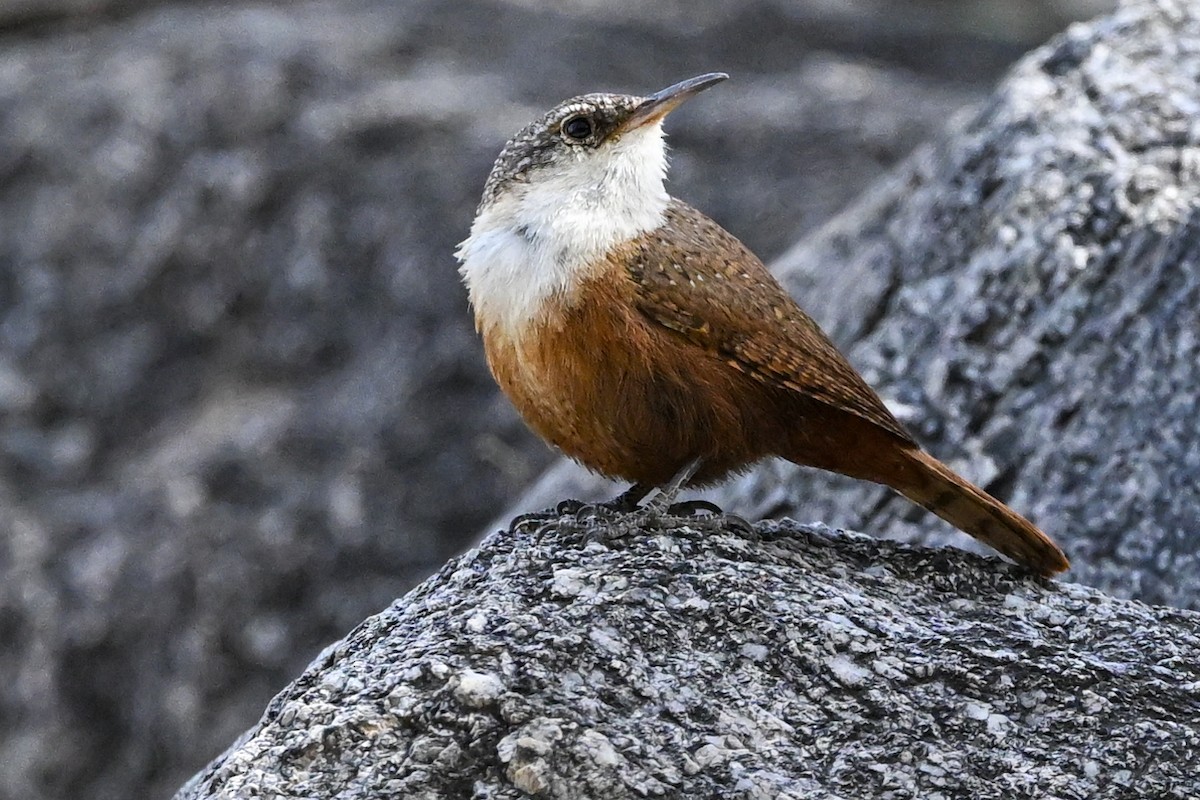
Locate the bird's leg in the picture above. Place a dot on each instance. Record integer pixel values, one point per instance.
(661, 503)
(629, 499)
(687, 508)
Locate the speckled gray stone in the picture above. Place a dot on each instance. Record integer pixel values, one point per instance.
(1024, 294)
(687, 659)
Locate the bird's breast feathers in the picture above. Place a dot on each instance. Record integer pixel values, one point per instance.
(544, 237)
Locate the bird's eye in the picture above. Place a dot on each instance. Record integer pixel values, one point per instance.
(577, 128)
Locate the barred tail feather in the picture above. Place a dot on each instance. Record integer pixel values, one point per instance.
(934, 486)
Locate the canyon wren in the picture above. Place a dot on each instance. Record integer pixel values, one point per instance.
(641, 339)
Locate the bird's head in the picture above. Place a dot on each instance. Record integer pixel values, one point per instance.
(582, 178)
(596, 153)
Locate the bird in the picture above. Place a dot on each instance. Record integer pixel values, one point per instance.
(640, 338)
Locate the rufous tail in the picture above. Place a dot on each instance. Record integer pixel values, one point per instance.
(934, 486)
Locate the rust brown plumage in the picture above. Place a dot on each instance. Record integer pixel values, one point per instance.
(697, 279)
(672, 345)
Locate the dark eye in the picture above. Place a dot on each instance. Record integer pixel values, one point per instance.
(577, 128)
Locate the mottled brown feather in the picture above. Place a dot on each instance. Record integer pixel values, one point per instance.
(733, 306)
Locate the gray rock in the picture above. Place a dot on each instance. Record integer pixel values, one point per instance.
(1023, 293)
(684, 659)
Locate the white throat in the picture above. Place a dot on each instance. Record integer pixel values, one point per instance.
(540, 239)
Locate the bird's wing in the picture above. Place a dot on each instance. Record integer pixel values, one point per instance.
(694, 277)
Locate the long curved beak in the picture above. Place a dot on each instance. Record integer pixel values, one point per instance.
(661, 103)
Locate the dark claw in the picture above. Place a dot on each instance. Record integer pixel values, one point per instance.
(627, 500)
(741, 525)
(690, 508)
(568, 507)
(617, 506)
(595, 511)
(522, 520)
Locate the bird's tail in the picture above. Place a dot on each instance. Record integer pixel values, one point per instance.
(932, 485)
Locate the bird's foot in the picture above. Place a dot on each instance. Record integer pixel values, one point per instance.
(533, 518)
(539, 518)
(711, 513)
(599, 523)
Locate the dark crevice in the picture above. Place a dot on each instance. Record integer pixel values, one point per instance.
(881, 307)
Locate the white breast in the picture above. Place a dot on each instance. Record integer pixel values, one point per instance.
(539, 239)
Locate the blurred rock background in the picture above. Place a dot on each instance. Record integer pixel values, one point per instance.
(241, 402)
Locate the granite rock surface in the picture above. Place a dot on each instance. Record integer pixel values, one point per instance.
(570, 657)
